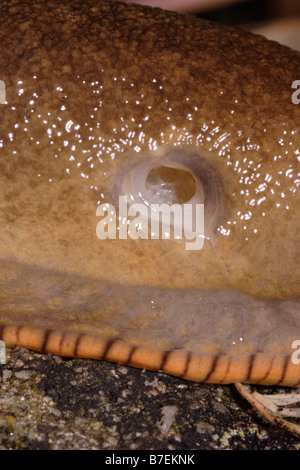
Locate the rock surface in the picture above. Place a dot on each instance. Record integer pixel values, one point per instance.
(48, 402)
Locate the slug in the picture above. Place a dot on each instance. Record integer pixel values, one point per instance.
(105, 106)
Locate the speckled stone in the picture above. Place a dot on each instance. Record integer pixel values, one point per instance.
(59, 403)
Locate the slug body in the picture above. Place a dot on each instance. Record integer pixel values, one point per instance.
(105, 99)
